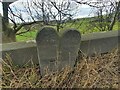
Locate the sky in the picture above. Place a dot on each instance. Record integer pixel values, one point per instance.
(83, 11)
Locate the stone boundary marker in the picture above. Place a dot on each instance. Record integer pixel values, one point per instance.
(69, 47)
(47, 47)
(54, 51)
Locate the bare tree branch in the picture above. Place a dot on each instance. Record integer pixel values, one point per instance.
(24, 24)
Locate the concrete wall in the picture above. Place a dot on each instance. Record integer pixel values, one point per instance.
(22, 52)
(0, 29)
(100, 42)
(0, 46)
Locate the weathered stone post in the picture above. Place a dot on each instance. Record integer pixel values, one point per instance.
(47, 46)
(69, 47)
(56, 52)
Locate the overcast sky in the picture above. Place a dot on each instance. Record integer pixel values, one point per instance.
(83, 11)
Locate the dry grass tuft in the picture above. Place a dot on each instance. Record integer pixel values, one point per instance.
(100, 71)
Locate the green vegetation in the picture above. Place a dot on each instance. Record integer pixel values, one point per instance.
(27, 36)
(83, 25)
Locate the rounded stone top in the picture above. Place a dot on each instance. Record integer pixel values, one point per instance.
(46, 33)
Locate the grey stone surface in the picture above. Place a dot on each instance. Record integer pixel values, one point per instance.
(0, 28)
(47, 46)
(22, 52)
(69, 47)
(21, 56)
(100, 42)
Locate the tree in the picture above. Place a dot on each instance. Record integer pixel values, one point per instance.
(107, 21)
(8, 33)
(35, 10)
(56, 12)
(107, 13)
(63, 10)
(115, 15)
(5, 22)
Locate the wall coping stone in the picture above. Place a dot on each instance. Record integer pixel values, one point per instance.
(85, 37)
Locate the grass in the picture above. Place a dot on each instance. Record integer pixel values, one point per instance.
(27, 36)
(81, 25)
(99, 71)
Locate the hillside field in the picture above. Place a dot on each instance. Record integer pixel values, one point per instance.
(82, 25)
